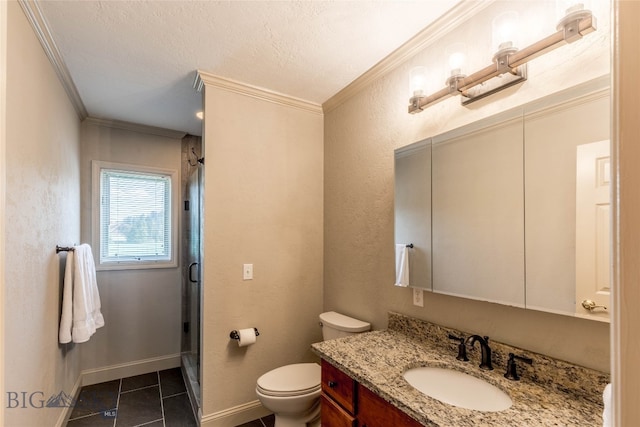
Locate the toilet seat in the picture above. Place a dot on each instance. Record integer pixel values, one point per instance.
(290, 380)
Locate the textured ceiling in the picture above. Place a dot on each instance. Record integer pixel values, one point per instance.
(135, 60)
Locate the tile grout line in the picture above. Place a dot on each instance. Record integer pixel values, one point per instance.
(117, 403)
(164, 422)
(148, 423)
(141, 388)
(93, 414)
(174, 395)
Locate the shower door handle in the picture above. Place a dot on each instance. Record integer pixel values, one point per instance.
(190, 271)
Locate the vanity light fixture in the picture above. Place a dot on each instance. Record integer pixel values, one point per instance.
(509, 65)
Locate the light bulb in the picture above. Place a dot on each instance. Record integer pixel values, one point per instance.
(567, 7)
(457, 54)
(418, 81)
(568, 11)
(505, 31)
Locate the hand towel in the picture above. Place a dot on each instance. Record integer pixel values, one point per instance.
(402, 265)
(606, 414)
(66, 318)
(81, 314)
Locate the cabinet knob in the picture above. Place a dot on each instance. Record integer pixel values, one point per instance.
(332, 384)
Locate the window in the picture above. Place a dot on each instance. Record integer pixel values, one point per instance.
(134, 218)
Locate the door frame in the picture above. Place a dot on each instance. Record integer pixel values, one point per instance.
(625, 317)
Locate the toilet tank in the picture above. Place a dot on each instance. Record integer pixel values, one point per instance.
(336, 325)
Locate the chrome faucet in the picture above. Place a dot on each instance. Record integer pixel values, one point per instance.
(484, 347)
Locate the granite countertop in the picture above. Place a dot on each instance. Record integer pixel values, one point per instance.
(550, 392)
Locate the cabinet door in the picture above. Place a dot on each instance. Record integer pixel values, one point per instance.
(339, 386)
(373, 411)
(478, 214)
(555, 231)
(332, 415)
(412, 203)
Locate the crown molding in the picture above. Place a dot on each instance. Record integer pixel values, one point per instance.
(39, 24)
(135, 127)
(205, 79)
(460, 13)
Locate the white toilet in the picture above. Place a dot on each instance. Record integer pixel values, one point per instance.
(292, 392)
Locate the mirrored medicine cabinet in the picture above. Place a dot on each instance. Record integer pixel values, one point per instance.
(514, 209)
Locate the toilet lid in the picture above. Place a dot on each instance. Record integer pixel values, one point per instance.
(291, 380)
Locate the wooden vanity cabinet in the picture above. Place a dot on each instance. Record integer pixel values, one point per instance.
(345, 403)
(338, 399)
(332, 415)
(374, 411)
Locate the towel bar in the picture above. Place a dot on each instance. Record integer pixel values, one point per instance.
(63, 249)
(410, 245)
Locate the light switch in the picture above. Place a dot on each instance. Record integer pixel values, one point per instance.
(247, 272)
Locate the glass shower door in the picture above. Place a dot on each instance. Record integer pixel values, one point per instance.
(192, 283)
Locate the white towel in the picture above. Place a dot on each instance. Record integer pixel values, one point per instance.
(402, 265)
(81, 314)
(606, 414)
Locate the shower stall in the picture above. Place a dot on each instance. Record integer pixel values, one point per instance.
(192, 181)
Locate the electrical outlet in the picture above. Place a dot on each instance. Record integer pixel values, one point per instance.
(418, 297)
(247, 272)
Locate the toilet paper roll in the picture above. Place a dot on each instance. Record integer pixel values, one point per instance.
(247, 337)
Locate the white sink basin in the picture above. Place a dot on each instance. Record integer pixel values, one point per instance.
(458, 389)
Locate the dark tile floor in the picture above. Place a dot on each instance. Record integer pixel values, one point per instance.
(261, 422)
(157, 399)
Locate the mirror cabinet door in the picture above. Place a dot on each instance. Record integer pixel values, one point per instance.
(567, 229)
(477, 214)
(514, 209)
(413, 209)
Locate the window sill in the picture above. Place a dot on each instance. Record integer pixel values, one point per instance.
(135, 266)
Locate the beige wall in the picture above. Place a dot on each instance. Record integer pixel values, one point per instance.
(141, 308)
(360, 137)
(263, 205)
(42, 209)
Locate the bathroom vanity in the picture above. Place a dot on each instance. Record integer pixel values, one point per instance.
(346, 403)
(363, 383)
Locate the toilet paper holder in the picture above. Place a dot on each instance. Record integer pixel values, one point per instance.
(235, 336)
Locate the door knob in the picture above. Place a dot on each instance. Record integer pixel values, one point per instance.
(591, 305)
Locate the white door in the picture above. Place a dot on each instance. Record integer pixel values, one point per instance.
(593, 178)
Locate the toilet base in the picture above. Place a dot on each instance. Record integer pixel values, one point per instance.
(311, 418)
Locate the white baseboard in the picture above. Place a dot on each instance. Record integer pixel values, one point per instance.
(129, 369)
(235, 416)
(66, 413)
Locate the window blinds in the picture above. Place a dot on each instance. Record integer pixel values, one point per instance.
(135, 216)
